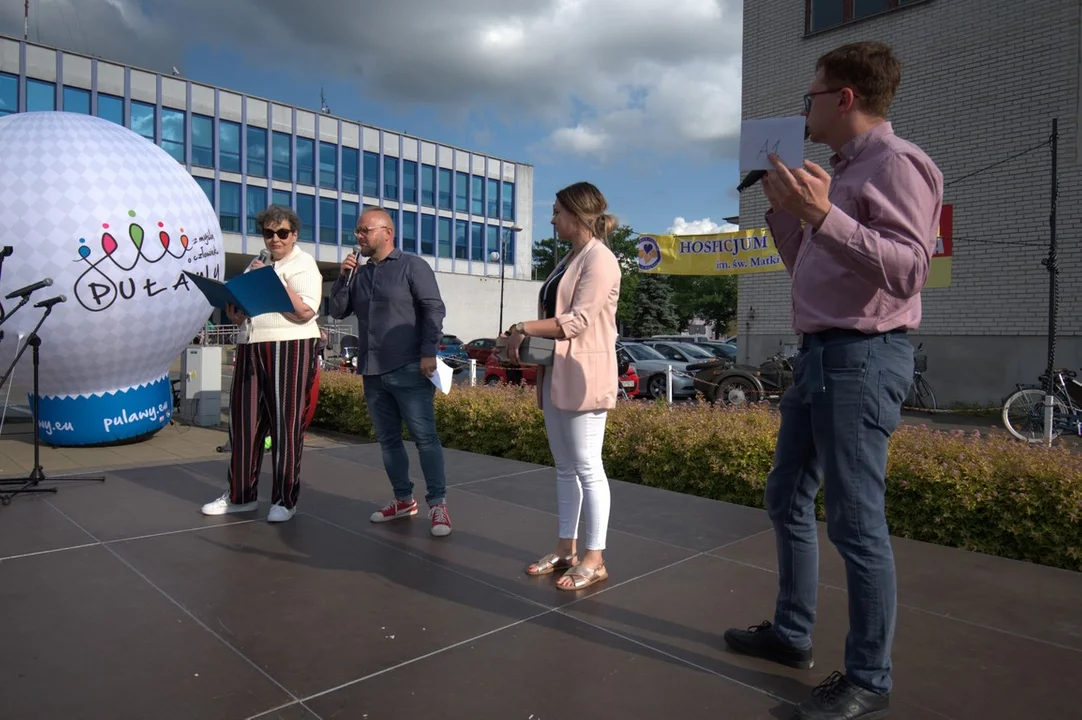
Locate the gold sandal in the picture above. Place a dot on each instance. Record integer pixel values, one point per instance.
(551, 563)
(584, 577)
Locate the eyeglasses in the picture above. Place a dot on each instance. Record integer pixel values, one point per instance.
(365, 230)
(809, 96)
(282, 233)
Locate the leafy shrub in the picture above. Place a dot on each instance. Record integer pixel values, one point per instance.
(989, 494)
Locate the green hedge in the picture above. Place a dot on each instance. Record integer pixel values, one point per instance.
(990, 494)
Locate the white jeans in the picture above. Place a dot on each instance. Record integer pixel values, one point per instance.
(576, 439)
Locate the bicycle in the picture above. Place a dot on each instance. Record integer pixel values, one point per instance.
(1028, 402)
(920, 394)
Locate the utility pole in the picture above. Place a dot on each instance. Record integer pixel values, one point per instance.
(1053, 290)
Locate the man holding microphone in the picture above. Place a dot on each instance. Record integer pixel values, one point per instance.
(857, 247)
(399, 323)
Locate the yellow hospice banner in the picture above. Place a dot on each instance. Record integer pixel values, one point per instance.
(729, 253)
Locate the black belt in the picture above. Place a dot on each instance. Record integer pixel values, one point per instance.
(835, 334)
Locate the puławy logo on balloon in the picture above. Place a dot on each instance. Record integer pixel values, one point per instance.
(649, 253)
(114, 221)
(109, 276)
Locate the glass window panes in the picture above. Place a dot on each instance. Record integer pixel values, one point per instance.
(257, 151)
(492, 207)
(208, 187)
(306, 161)
(826, 14)
(229, 146)
(142, 119)
(9, 94)
(351, 158)
(173, 133)
(462, 240)
(428, 185)
(509, 246)
(445, 190)
(349, 223)
(282, 198)
(428, 234)
(283, 157)
(409, 181)
(306, 211)
(493, 243)
(462, 192)
(445, 238)
(477, 196)
(409, 232)
(257, 202)
(229, 212)
(390, 178)
(111, 108)
(866, 8)
(371, 174)
(202, 141)
(508, 200)
(41, 97)
(328, 165)
(76, 100)
(328, 221)
(477, 242)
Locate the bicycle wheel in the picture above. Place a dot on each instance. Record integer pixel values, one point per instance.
(921, 395)
(1023, 415)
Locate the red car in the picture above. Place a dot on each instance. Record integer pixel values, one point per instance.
(496, 373)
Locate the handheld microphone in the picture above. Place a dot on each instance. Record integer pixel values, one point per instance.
(756, 175)
(24, 291)
(50, 302)
(357, 257)
(264, 255)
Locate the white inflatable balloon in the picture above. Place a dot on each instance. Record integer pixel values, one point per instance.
(113, 221)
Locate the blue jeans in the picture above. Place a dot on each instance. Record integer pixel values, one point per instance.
(406, 394)
(836, 422)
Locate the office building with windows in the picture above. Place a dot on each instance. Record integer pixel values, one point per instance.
(982, 81)
(454, 207)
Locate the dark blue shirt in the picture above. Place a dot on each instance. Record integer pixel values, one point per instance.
(398, 308)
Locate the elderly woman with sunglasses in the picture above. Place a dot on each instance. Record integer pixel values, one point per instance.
(274, 372)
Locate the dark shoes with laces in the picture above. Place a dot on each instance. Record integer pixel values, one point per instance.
(834, 699)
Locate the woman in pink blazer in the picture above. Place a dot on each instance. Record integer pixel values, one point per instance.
(577, 307)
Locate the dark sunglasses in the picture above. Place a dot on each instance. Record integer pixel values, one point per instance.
(282, 233)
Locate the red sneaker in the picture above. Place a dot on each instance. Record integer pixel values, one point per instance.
(441, 520)
(394, 510)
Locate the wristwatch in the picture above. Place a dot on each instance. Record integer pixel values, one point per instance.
(519, 327)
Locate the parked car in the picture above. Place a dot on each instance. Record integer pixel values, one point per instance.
(453, 353)
(497, 373)
(480, 349)
(652, 367)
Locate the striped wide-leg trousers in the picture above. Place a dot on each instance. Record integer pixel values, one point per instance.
(270, 395)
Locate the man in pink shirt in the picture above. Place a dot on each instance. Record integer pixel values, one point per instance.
(857, 247)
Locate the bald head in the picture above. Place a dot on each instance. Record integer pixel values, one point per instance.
(375, 233)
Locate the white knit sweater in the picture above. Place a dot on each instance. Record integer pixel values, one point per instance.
(299, 272)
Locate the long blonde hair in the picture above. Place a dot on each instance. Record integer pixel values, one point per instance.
(588, 205)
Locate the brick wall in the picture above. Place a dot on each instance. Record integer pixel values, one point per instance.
(982, 80)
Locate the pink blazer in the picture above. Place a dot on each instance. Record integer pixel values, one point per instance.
(584, 369)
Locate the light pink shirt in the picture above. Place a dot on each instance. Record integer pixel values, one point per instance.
(865, 267)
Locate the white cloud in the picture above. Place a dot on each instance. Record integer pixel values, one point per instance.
(706, 226)
(601, 78)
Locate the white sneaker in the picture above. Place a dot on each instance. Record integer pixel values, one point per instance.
(222, 506)
(278, 513)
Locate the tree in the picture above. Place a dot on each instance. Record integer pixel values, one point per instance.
(710, 297)
(652, 311)
(544, 260)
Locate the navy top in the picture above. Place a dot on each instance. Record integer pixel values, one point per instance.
(548, 292)
(399, 311)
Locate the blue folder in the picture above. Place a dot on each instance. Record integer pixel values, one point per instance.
(254, 293)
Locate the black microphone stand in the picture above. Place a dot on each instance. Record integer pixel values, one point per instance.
(37, 475)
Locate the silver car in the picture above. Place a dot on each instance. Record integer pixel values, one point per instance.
(651, 367)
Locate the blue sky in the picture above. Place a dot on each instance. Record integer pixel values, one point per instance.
(640, 97)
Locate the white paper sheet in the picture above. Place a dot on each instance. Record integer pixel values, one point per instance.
(782, 136)
(442, 377)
